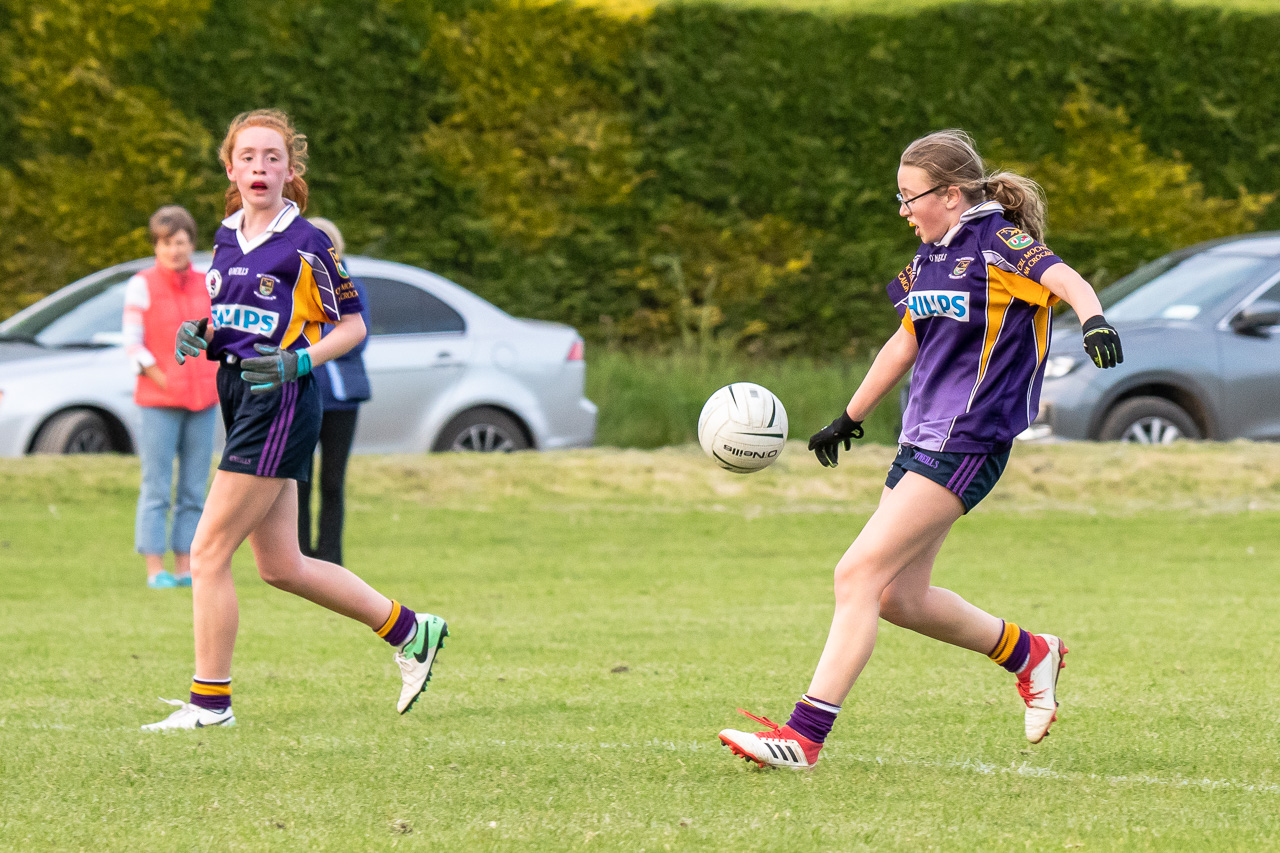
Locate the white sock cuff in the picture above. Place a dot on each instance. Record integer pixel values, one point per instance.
(820, 705)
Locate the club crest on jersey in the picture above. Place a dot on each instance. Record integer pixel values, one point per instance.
(246, 318)
(938, 303)
(213, 282)
(337, 262)
(266, 284)
(1015, 238)
(962, 266)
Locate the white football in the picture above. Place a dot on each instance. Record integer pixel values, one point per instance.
(743, 427)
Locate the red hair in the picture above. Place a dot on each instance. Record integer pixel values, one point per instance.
(294, 143)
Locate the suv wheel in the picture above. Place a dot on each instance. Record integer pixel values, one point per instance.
(76, 431)
(482, 430)
(1148, 420)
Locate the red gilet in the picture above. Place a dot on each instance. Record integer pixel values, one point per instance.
(174, 297)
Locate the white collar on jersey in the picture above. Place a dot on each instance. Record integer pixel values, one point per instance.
(282, 221)
(978, 211)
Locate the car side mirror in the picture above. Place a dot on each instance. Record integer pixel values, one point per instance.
(1255, 319)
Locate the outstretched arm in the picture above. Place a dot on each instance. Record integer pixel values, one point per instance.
(1101, 341)
(892, 362)
(890, 365)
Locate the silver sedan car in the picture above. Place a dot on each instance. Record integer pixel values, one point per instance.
(449, 370)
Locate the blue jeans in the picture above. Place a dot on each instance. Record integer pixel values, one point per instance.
(166, 433)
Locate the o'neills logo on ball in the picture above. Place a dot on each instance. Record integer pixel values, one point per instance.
(213, 282)
(750, 454)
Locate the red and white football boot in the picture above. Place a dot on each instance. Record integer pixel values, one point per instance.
(1038, 684)
(781, 746)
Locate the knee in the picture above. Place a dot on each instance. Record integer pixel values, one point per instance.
(208, 559)
(280, 570)
(857, 578)
(897, 608)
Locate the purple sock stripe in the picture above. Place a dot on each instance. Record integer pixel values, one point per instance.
(404, 624)
(980, 461)
(1020, 652)
(811, 722)
(960, 473)
(212, 703)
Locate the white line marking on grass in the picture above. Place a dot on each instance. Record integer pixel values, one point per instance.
(972, 765)
(985, 769)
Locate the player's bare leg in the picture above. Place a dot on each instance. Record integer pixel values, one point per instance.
(912, 602)
(905, 529)
(417, 637)
(281, 564)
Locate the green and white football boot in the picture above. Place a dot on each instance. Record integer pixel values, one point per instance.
(416, 657)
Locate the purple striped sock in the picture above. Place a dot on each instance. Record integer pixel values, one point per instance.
(1018, 657)
(403, 629)
(811, 721)
(203, 694)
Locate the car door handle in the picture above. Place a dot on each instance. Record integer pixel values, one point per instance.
(444, 354)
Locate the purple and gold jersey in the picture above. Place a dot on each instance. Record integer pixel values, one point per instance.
(981, 318)
(278, 288)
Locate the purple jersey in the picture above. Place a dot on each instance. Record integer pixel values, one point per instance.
(981, 318)
(278, 288)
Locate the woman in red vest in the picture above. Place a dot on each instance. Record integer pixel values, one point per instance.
(178, 405)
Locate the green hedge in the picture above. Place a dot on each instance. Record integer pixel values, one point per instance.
(705, 177)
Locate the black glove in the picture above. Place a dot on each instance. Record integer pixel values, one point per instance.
(826, 442)
(275, 367)
(1102, 343)
(190, 339)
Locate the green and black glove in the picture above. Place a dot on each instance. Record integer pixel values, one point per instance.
(191, 340)
(826, 442)
(274, 368)
(1102, 343)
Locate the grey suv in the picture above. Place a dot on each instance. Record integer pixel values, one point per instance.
(1201, 334)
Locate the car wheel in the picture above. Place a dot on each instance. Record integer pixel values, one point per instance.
(76, 431)
(1148, 420)
(482, 430)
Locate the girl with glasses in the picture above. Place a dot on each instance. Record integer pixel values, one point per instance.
(975, 305)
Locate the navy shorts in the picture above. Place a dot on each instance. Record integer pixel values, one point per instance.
(969, 476)
(269, 435)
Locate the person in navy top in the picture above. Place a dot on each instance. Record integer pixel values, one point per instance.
(975, 305)
(343, 385)
(274, 281)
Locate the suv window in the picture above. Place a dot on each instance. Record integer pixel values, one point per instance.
(399, 308)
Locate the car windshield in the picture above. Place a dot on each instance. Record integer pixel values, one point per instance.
(1174, 288)
(89, 316)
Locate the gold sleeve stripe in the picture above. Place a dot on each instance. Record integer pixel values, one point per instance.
(391, 620)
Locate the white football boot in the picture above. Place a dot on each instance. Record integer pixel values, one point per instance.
(780, 746)
(416, 657)
(190, 716)
(1038, 684)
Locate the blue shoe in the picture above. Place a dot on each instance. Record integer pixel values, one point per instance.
(182, 580)
(163, 580)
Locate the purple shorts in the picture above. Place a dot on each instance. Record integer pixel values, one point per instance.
(969, 476)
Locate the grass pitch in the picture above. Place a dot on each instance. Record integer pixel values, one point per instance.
(609, 610)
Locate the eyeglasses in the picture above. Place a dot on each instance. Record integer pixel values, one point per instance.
(906, 202)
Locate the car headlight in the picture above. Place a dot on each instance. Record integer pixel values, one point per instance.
(1061, 365)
